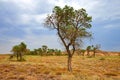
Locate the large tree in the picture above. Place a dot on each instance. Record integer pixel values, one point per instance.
(71, 26)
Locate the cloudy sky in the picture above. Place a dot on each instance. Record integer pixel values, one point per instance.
(22, 20)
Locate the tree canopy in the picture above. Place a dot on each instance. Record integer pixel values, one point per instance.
(71, 24)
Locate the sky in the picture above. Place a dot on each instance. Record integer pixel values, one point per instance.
(22, 21)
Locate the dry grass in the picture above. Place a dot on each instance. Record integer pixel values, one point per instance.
(55, 68)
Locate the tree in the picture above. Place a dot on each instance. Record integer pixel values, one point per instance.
(16, 51)
(23, 49)
(83, 52)
(19, 50)
(57, 52)
(40, 51)
(71, 26)
(80, 52)
(96, 47)
(44, 48)
(51, 51)
(88, 49)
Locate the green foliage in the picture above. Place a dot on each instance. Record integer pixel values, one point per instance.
(58, 52)
(88, 48)
(19, 51)
(45, 51)
(44, 48)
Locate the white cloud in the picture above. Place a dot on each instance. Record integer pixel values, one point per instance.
(104, 11)
(99, 9)
(23, 4)
(24, 19)
(77, 4)
(57, 2)
(112, 26)
(31, 18)
(40, 18)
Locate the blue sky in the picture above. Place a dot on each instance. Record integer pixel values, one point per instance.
(22, 20)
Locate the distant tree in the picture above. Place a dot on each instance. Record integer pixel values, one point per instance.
(35, 51)
(71, 26)
(80, 51)
(27, 52)
(88, 49)
(95, 48)
(40, 51)
(83, 52)
(51, 51)
(44, 48)
(23, 49)
(19, 50)
(16, 51)
(57, 52)
(32, 53)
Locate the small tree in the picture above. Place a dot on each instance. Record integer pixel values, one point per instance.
(51, 51)
(23, 49)
(71, 26)
(88, 49)
(16, 51)
(40, 51)
(57, 52)
(19, 50)
(44, 48)
(83, 52)
(95, 48)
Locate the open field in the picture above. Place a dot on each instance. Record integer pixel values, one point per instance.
(55, 68)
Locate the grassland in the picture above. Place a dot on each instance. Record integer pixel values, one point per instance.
(55, 68)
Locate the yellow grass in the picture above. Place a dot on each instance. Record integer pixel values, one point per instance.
(55, 68)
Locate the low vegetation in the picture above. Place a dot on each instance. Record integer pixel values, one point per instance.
(54, 68)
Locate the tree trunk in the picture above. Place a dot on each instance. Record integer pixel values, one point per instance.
(68, 51)
(69, 63)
